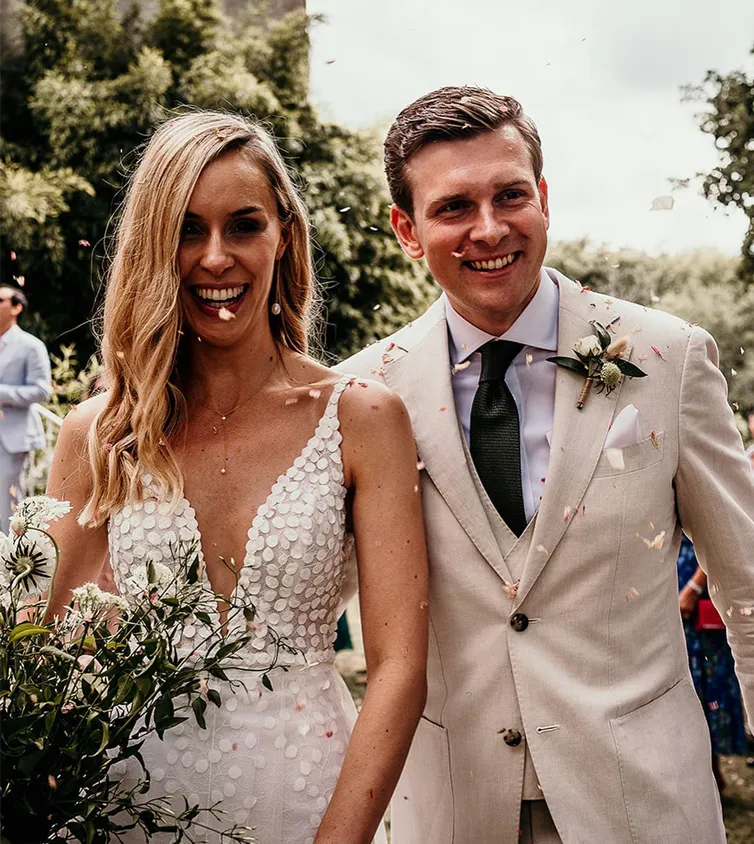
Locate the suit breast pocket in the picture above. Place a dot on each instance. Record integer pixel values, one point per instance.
(633, 458)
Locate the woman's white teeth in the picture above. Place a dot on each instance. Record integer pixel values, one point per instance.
(495, 264)
(223, 296)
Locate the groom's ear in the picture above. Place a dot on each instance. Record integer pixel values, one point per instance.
(405, 231)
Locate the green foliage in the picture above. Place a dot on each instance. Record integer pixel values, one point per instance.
(729, 118)
(702, 286)
(86, 89)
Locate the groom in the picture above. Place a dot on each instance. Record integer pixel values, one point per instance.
(560, 706)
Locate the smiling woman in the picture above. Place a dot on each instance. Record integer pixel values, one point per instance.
(219, 433)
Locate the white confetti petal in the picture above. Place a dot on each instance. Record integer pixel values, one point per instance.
(615, 458)
(662, 203)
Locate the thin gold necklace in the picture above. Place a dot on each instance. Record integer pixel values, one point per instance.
(224, 416)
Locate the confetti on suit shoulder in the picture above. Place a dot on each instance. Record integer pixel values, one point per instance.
(542, 549)
(746, 611)
(529, 359)
(585, 288)
(662, 203)
(655, 544)
(225, 314)
(330, 61)
(657, 352)
(729, 612)
(632, 593)
(637, 328)
(653, 438)
(459, 367)
(713, 589)
(443, 409)
(567, 514)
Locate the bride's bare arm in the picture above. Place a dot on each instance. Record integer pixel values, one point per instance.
(380, 464)
(83, 551)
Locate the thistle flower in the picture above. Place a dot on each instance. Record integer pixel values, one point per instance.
(610, 375)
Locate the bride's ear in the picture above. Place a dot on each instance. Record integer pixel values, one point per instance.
(285, 239)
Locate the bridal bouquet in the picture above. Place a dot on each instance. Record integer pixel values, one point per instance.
(80, 694)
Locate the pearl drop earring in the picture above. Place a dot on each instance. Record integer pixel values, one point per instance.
(276, 308)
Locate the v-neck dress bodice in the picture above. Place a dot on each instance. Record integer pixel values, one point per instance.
(272, 757)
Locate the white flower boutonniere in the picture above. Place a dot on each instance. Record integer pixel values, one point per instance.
(600, 360)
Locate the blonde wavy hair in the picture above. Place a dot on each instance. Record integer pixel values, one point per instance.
(142, 316)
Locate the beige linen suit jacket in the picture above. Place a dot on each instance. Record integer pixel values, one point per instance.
(598, 682)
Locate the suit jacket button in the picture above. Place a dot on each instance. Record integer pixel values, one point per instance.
(512, 737)
(519, 622)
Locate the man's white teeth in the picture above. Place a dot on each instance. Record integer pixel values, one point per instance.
(496, 264)
(213, 294)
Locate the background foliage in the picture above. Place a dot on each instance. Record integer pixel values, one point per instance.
(83, 90)
(728, 117)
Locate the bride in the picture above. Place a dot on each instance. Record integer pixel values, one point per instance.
(217, 427)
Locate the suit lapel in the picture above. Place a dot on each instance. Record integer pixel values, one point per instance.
(421, 375)
(9, 347)
(577, 442)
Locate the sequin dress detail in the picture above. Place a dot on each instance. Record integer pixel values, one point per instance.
(272, 757)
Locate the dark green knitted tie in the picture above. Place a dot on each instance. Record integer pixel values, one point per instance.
(495, 439)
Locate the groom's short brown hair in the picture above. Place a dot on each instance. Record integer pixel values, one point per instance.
(451, 113)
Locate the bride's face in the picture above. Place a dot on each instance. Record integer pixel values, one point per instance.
(230, 240)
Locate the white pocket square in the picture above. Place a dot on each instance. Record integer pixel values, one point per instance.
(625, 430)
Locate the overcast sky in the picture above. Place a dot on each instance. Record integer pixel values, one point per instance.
(601, 80)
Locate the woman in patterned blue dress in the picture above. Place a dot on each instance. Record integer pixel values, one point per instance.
(711, 664)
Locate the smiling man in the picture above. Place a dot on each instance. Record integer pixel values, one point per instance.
(560, 707)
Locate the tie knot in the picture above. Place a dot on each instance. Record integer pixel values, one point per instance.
(496, 358)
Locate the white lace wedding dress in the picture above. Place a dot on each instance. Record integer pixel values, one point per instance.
(271, 757)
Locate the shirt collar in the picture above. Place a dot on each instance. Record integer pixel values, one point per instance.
(537, 324)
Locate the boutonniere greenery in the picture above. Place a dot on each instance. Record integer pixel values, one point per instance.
(599, 359)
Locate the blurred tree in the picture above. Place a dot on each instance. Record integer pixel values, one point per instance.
(700, 286)
(83, 90)
(729, 118)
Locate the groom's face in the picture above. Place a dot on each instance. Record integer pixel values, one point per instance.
(480, 219)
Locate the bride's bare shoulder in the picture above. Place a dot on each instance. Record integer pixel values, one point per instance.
(80, 417)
